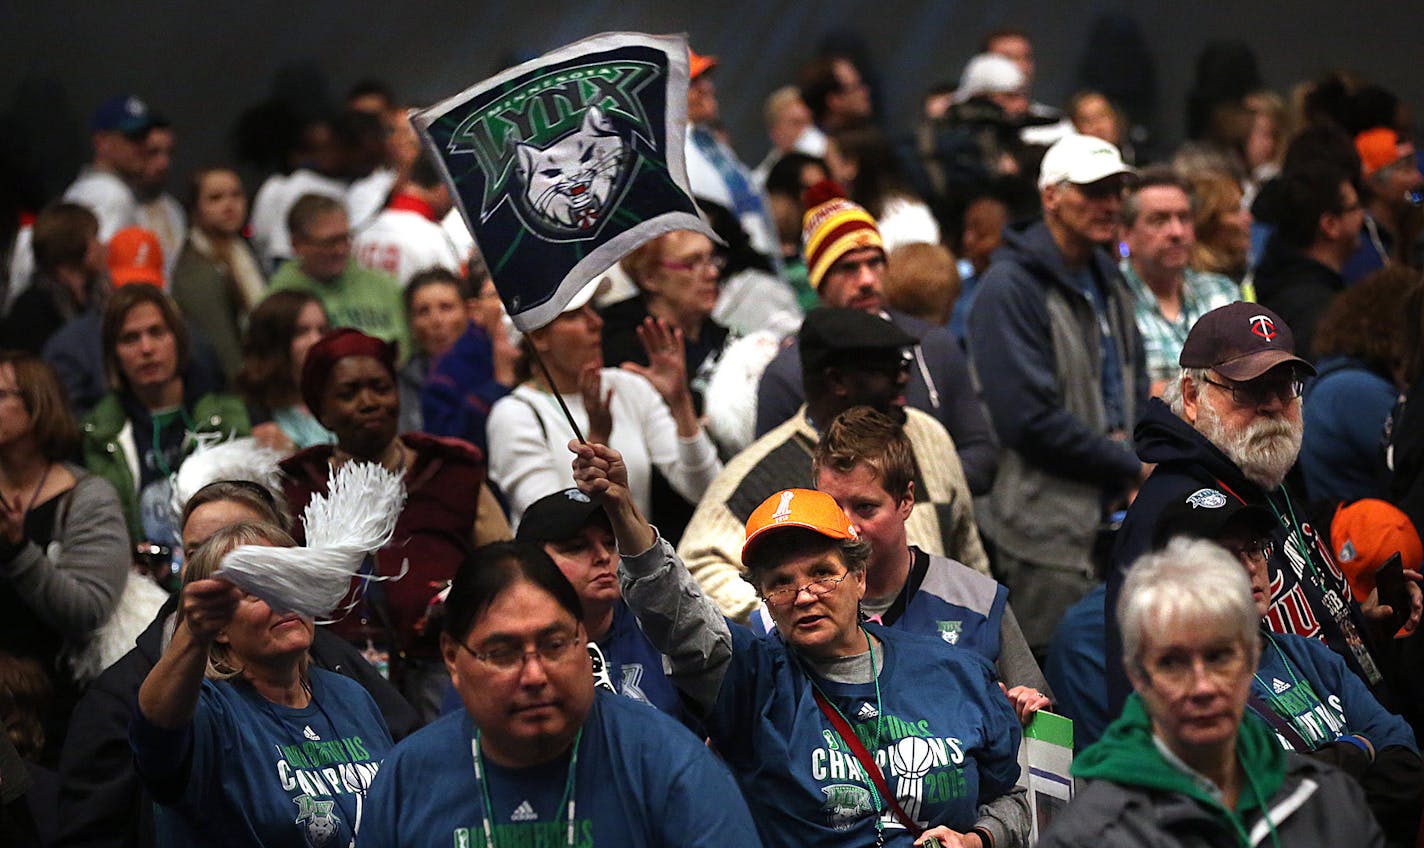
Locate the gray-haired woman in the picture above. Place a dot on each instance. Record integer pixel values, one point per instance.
(1182, 765)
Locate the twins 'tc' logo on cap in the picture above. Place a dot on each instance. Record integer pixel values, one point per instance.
(1263, 326)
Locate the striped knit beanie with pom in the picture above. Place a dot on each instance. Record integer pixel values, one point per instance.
(832, 227)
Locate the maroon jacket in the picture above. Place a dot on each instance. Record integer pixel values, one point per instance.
(433, 534)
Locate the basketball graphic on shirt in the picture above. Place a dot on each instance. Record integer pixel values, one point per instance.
(911, 758)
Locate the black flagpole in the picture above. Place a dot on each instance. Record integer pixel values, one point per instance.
(534, 352)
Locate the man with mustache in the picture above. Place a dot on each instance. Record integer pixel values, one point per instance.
(1231, 423)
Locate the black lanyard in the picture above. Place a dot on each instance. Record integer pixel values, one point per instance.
(919, 567)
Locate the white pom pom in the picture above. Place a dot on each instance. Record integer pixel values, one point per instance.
(356, 517)
(213, 460)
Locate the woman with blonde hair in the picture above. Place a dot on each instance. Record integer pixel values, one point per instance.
(234, 691)
(1222, 224)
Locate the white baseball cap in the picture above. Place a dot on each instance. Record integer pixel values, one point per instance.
(990, 73)
(1080, 160)
(584, 295)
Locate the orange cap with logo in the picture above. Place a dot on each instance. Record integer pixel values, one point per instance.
(135, 256)
(806, 509)
(1365, 534)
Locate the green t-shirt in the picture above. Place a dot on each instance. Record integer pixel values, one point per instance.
(367, 300)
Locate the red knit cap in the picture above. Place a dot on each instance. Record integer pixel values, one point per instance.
(331, 349)
(833, 227)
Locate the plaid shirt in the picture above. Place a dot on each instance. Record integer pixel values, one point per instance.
(1163, 338)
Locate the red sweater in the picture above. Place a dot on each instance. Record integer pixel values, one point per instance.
(433, 535)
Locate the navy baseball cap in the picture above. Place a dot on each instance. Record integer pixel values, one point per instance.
(125, 114)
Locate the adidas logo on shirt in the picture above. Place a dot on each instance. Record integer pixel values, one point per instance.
(524, 813)
(1278, 685)
(310, 734)
(868, 711)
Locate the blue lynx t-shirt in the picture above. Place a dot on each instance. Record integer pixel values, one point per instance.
(247, 772)
(941, 731)
(1312, 689)
(642, 781)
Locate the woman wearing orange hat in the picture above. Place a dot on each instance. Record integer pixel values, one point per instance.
(840, 732)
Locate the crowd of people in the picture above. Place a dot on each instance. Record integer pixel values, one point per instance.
(783, 538)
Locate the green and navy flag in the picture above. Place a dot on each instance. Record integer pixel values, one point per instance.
(564, 164)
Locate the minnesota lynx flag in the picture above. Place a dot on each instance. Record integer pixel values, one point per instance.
(564, 164)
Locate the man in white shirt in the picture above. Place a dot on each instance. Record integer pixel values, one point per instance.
(407, 237)
(121, 127)
(158, 211)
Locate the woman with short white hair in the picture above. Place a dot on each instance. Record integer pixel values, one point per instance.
(1182, 764)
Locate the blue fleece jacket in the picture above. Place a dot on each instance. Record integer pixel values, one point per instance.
(1346, 407)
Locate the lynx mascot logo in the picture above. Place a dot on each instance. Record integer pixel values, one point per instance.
(563, 164)
(561, 147)
(318, 820)
(568, 184)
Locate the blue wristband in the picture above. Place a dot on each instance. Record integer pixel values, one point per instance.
(1358, 743)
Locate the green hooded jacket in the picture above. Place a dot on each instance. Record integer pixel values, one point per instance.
(1127, 755)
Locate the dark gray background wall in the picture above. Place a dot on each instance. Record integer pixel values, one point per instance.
(202, 63)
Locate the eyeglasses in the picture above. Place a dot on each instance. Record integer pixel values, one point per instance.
(1179, 669)
(506, 658)
(1259, 392)
(715, 262)
(788, 594)
(1254, 551)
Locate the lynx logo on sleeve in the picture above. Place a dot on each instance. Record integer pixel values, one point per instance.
(563, 164)
(949, 631)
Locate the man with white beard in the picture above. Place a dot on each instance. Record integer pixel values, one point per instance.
(1231, 425)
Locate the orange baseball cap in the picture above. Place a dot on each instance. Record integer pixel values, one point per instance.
(1365, 534)
(806, 509)
(699, 64)
(135, 256)
(1378, 148)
